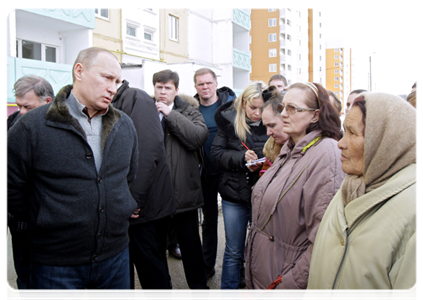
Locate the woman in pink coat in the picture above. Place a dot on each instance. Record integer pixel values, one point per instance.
(289, 200)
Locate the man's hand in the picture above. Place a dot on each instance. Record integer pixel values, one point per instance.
(163, 108)
(136, 213)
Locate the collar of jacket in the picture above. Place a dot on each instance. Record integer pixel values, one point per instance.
(297, 150)
(58, 112)
(224, 95)
(397, 183)
(225, 115)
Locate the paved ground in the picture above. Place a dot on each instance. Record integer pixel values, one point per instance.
(175, 266)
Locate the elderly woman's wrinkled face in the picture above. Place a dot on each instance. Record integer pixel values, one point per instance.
(352, 144)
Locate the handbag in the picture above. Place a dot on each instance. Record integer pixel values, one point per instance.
(266, 294)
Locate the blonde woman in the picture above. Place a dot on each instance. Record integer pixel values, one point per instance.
(240, 138)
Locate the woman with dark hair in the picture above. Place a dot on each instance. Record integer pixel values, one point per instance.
(367, 237)
(289, 200)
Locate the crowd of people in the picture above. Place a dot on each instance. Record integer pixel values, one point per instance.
(99, 174)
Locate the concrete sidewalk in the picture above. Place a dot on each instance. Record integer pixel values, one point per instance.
(175, 266)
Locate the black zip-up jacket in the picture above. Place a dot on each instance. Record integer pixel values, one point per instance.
(75, 214)
(152, 187)
(224, 94)
(229, 153)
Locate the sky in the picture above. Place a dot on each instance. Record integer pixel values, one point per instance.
(388, 33)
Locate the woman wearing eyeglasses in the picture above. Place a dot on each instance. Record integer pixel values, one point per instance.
(289, 200)
(241, 136)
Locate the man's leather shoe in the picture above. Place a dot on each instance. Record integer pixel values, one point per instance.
(175, 252)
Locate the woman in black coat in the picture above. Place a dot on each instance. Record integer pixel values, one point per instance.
(240, 138)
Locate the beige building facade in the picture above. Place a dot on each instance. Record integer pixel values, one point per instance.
(107, 32)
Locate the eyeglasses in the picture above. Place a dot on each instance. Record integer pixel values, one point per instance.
(291, 109)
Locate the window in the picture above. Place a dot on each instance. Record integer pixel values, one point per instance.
(336, 56)
(130, 30)
(148, 36)
(102, 13)
(272, 9)
(173, 28)
(37, 51)
(336, 71)
(336, 78)
(336, 86)
(272, 37)
(272, 52)
(272, 22)
(272, 68)
(336, 64)
(336, 50)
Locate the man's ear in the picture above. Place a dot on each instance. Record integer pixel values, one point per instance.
(77, 71)
(47, 100)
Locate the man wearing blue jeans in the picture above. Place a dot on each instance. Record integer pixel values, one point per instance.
(70, 163)
(210, 99)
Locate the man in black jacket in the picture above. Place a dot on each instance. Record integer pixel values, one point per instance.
(151, 189)
(70, 163)
(185, 133)
(210, 99)
(30, 92)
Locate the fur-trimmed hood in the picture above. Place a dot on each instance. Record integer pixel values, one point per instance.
(59, 112)
(190, 100)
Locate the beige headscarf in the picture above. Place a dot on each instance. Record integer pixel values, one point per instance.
(389, 143)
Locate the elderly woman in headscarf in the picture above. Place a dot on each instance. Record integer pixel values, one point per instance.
(367, 237)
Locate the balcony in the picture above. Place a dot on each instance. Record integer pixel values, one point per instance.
(78, 17)
(241, 60)
(241, 18)
(58, 75)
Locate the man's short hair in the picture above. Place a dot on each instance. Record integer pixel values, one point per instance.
(166, 76)
(41, 87)
(87, 56)
(359, 91)
(278, 77)
(203, 71)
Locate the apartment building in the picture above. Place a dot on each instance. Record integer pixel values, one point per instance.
(107, 32)
(317, 51)
(289, 42)
(45, 42)
(338, 69)
(194, 38)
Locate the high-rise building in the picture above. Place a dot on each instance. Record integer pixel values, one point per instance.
(288, 42)
(338, 69)
(194, 38)
(106, 33)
